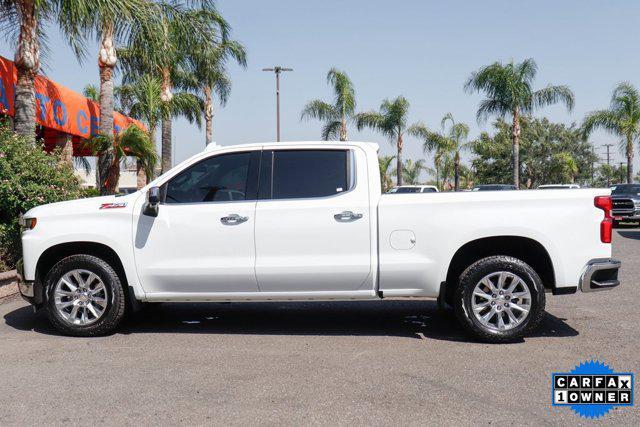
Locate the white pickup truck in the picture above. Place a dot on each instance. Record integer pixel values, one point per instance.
(307, 221)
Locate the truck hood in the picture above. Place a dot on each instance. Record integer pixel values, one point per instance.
(88, 205)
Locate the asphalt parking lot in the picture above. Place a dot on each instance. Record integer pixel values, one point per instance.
(383, 363)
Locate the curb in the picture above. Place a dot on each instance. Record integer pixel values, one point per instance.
(8, 284)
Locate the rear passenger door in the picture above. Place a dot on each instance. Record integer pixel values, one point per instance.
(312, 221)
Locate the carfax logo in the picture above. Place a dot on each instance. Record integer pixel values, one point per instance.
(592, 389)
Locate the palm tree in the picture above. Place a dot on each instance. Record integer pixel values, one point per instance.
(208, 66)
(23, 20)
(391, 121)
(384, 162)
(509, 91)
(164, 53)
(411, 171)
(142, 99)
(337, 114)
(133, 142)
(452, 141)
(621, 119)
(110, 22)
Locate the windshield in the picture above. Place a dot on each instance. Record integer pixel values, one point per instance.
(626, 189)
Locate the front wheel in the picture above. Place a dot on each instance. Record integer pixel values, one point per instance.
(84, 296)
(499, 299)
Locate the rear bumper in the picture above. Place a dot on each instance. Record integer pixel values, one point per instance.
(600, 275)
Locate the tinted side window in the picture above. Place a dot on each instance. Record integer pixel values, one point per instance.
(428, 190)
(309, 173)
(216, 179)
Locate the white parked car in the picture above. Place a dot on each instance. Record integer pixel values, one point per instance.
(307, 221)
(558, 187)
(403, 189)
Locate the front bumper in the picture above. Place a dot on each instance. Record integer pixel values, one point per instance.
(600, 275)
(633, 215)
(29, 289)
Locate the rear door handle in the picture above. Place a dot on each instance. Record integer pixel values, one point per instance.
(233, 219)
(347, 216)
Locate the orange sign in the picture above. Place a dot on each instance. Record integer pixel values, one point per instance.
(58, 107)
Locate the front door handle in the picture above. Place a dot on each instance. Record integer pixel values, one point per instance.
(347, 216)
(233, 219)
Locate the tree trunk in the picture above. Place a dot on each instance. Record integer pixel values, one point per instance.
(27, 62)
(141, 176)
(437, 174)
(629, 159)
(399, 161)
(166, 96)
(456, 171)
(157, 169)
(343, 129)
(65, 144)
(166, 144)
(107, 61)
(516, 147)
(208, 115)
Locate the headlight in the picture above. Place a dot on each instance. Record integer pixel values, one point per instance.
(28, 223)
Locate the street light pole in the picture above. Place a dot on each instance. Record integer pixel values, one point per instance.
(608, 146)
(277, 70)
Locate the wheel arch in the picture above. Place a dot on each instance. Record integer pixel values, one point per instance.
(55, 253)
(524, 248)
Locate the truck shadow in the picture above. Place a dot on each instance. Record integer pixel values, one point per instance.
(410, 319)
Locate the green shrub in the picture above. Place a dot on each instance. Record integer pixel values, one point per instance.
(28, 177)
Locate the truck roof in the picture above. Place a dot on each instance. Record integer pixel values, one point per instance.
(214, 146)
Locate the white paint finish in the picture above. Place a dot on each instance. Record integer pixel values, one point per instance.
(82, 221)
(300, 246)
(187, 248)
(565, 222)
(188, 254)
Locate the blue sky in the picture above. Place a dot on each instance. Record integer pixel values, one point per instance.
(423, 50)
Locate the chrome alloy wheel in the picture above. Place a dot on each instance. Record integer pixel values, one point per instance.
(501, 301)
(80, 297)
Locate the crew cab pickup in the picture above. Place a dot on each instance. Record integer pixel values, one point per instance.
(625, 202)
(307, 221)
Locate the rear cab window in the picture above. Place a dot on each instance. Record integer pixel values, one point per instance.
(301, 174)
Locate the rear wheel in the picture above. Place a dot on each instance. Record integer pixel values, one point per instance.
(499, 299)
(84, 296)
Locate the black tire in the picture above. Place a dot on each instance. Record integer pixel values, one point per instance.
(474, 274)
(115, 296)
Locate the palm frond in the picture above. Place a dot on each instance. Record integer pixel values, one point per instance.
(553, 95)
(92, 92)
(419, 130)
(319, 110)
(331, 130)
(603, 119)
(370, 119)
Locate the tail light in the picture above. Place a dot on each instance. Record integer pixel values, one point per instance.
(606, 226)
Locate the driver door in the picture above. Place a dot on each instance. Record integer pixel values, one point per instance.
(202, 240)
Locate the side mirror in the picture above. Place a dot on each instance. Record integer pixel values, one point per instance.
(153, 202)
